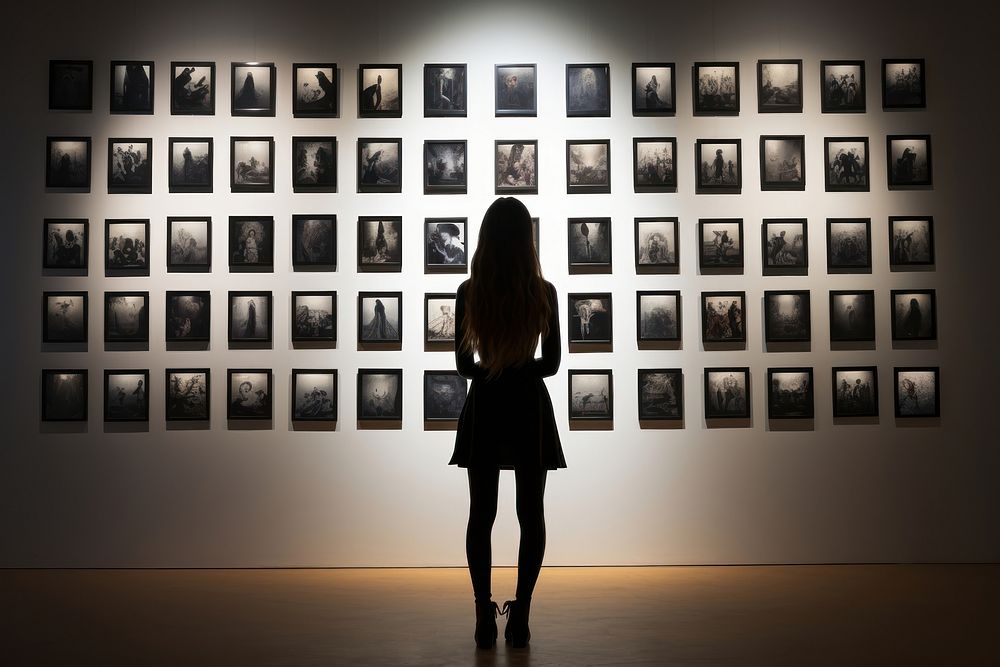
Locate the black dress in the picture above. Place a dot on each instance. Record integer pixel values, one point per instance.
(507, 421)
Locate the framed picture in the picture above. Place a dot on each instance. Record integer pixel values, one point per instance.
(130, 166)
(189, 244)
(588, 166)
(855, 391)
(444, 395)
(126, 317)
(314, 241)
(917, 391)
(787, 316)
(588, 90)
(661, 394)
(249, 394)
(251, 161)
(132, 86)
(720, 243)
(515, 90)
(191, 162)
(716, 88)
(126, 395)
(654, 89)
(187, 394)
(656, 244)
(911, 241)
(65, 242)
(380, 243)
(250, 317)
(445, 245)
(71, 85)
(64, 395)
(67, 163)
(188, 316)
(591, 394)
(380, 394)
(727, 393)
(315, 90)
(516, 167)
(380, 317)
(909, 160)
(380, 91)
(192, 88)
(251, 243)
(445, 93)
(379, 163)
(790, 393)
(445, 170)
(719, 165)
(783, 162)
(590, 317)
(439, 319)
(254, 89)
(904, 83)
(64, 317)
(849, 244)
(126, 247)
(846, 164)
(314, 395)
(852, 315)
(723, 317)
(314, 317)
(534, 233)
(314, 164)
(654, 164)
(843, 84)
(784, 244)
(658, 315)
(589, 243)
(914, 314)
(779, 86)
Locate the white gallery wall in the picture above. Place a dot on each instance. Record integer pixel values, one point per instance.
(104, 495)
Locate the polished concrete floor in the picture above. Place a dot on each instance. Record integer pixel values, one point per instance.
(756, 615)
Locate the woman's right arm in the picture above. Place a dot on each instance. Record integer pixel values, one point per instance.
(465, 362)
(548, 364)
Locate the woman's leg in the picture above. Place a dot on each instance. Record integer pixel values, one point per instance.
(531, 517)
(483, 486)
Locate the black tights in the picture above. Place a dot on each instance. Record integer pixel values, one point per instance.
(483, 487)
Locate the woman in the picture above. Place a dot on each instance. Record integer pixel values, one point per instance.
(507, 420)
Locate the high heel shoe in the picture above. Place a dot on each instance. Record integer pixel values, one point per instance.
(486, 624)
(517, 631)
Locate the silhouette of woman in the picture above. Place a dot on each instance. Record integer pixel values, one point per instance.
(507, 421)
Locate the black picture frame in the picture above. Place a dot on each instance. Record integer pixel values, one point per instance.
(904, 251)
(710, 177)
(782, 327)
(187, 316)
(71, 85)
(380, 407)
(588, 243)
(125, 253)
(254, 403)
(319, 404)
(131, 86)
(911, 321)
(135, 327)
(904, 173)
(66, 244)
(246, 256)
(513, 95)
(138, 398)
(589, 319)
(580, 101)
(314, 241)
(852, 316)
(446, 90)
(446, 168)
(515, 166)
(251, 328)
(128, 171)
(59, 324)
(905, 390)
(780, 255)
(719, 98)
(839, 94)
(189, 244)
(904, 89)
(723, 252)
(653, 326)
(657, 244)
(717, 401)
(376, 174)
(795, 402)
(64, 402)
(187, 399)
(192, 92)
(371, 329)
(315, 90)
(584, 174)
(722, 324)
(247, 96)
(439, 327)
(195, 170)
(67, 163)
(660, 393)
(786, 97)
(790, 174)
(374, 101)
(578, 409)
(855, 391)
(314, 164)
(380, 243)
(314, 316)
(444, 250)
(643, 104)
(849, 245)
(654, 164)
(445, 392)
(834, 178)
(248, 175)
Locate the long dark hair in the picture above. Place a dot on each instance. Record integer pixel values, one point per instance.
(507, 303)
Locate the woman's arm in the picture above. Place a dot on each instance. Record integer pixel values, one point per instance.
(465, 363)
(548, 364)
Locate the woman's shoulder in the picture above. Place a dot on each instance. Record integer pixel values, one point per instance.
(461, 287)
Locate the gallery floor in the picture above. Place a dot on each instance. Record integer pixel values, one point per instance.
(768, 615)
